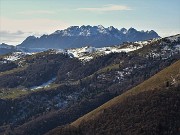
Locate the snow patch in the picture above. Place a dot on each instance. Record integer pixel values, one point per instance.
(44, 85)
(174, 38)
(87, 53)
(16, 56)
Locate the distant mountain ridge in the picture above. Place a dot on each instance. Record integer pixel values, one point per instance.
(4, 48)
(97, 36)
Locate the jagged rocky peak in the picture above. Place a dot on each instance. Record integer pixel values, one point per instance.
(131, 30)
(100, 27)
(73, 27)
(151, 31)
(111, 28)
(31, 37)
(88, 30)
(85, 27)
(123, 30)
(56, 32)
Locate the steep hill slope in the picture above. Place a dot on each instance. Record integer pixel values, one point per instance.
(149, 108)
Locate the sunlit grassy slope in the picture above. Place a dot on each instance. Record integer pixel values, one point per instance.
(155, 81)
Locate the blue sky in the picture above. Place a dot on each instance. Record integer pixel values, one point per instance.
(21, 18)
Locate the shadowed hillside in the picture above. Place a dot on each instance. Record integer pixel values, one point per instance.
(150, 108)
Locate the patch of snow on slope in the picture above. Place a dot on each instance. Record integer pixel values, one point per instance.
(147, 41)
(86, 58)
(44, 85)
(56, 51)
(131, 48)
(86, 53)
(101, 29)
(81, 52)
(89, 49)
(174, 38)
(16, 56)
(85, 33)
(118, 49)
(143, 42)
(105, 50)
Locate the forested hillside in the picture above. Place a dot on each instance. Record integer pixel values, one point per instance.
(40, 91)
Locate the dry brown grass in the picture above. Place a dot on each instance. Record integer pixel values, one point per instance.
(155, 81)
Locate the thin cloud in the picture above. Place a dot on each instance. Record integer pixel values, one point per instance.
(11, 34)
(36, 12)
(11, 37)
(105, 8)
(39, 25)
(10, 28)
(14, 38)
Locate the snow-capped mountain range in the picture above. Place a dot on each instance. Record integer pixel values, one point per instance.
(97, 36)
